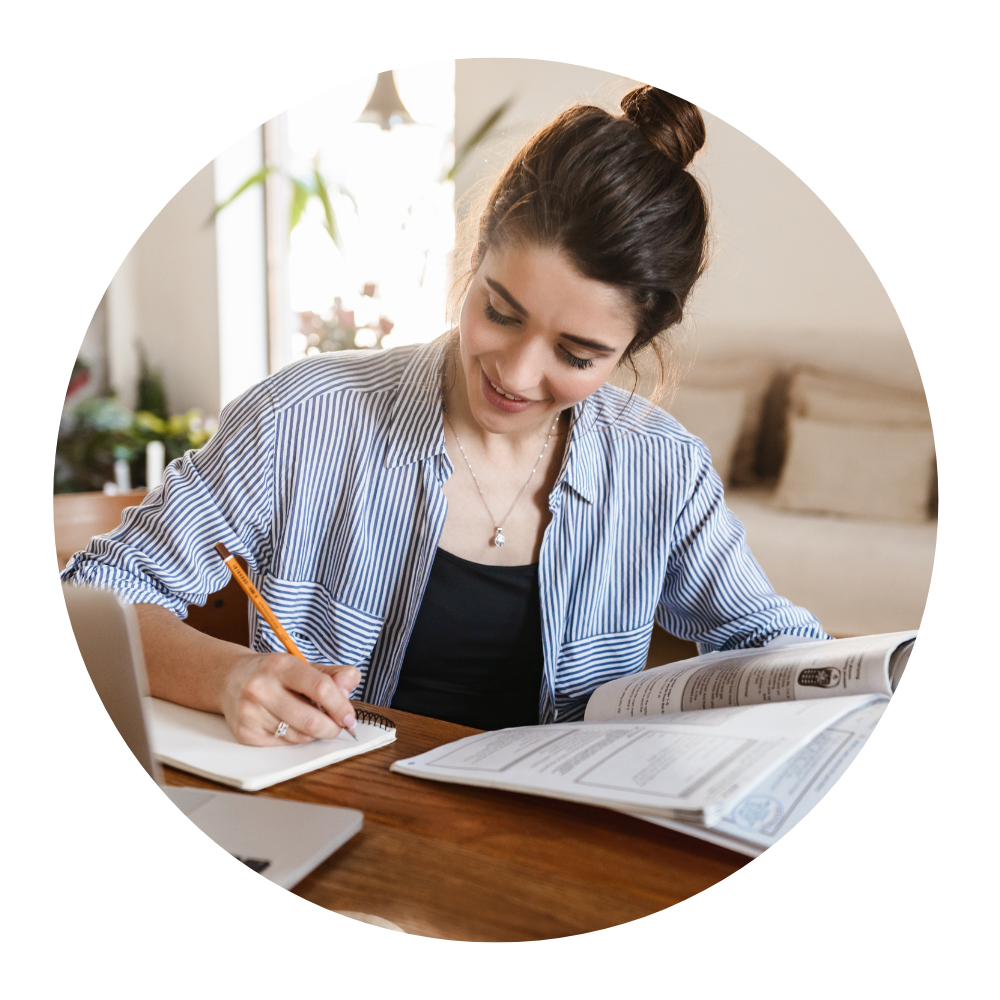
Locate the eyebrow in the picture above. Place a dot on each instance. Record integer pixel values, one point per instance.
(506, 296)
(594, 345)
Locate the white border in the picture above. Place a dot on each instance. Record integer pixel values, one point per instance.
(883, 109)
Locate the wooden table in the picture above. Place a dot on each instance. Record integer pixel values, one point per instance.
(475, 864)
(80, 516)
(447, 860)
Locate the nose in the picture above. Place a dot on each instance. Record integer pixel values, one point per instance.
(521, 365)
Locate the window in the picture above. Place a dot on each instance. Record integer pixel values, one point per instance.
(384, 279)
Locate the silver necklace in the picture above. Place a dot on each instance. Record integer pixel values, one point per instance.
(498, 538)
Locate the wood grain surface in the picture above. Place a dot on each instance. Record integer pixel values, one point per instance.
(477, 864)
(448, 860)
(80, 516)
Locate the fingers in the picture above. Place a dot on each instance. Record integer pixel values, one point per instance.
(289, 736)
(346, 678)
(322, 689)
(302, 716)
(276, 687)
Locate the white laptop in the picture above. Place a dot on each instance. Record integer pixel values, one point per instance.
(282, 840)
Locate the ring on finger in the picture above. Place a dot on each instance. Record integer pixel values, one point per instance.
(281, 730)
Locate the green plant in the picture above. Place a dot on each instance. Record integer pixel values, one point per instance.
(485, 127)
(96, 434)
(79, 378)
(317, 186)
(303, 190)
(150, 392)
(100, 430)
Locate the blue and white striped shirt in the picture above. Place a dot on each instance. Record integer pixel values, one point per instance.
(327, 478)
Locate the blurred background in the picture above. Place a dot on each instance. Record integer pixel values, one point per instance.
(333, 227)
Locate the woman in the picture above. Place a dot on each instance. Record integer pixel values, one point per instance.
(480, 529)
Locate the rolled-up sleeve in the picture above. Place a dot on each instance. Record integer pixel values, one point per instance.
(715, 592)
(162, 552)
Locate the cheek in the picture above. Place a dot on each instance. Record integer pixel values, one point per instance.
(568, 388)
(477, 334)
(473, 341)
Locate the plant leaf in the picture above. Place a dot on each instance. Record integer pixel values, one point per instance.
(347, 194)
(324, 196)
(256, 178)
(462, 154)
(300, 195)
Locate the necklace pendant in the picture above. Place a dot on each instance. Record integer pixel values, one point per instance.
(498, 539)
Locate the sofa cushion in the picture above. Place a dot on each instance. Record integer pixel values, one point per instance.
(859, 576)
(841, 399)
(717, 417)
(753, 375)
(864, 470)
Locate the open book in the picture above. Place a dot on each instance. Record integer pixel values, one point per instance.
(201, 743)
(688, 741)
(775, 805)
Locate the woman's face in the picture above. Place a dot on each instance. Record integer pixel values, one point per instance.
(537, 337)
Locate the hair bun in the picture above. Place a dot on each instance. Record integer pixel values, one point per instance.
(672, 124)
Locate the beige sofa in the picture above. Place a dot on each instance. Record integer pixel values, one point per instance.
(833, 477)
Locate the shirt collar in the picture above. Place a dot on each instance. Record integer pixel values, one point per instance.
(600, 417)
(416, 426)
(582, 457)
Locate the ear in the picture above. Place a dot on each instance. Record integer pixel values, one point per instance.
(475, 258)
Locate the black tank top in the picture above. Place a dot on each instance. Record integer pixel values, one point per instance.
(475, 653)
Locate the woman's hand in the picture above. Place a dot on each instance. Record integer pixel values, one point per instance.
(267, 689)
(255, 692)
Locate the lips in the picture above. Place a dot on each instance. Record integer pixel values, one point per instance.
(517, 399)
(502, 400)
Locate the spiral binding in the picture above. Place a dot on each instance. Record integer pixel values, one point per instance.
(373, 719)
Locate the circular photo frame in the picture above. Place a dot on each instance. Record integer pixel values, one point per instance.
(119, 97)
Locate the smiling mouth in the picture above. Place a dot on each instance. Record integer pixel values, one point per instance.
(497, 389)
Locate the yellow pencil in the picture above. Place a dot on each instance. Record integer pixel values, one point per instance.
(262, 606)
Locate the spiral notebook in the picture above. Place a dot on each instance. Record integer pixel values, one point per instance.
(201, 743)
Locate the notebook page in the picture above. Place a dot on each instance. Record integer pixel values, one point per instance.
(201, 743)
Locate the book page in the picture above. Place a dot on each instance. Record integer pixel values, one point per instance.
(692, 768)
(764, 816)
(752, 677)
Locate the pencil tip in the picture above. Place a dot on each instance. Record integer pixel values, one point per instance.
(222, 550)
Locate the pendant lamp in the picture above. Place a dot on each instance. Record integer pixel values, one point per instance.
(384, 107)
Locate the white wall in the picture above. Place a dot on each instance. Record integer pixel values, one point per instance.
(539, 91)
(786, 278)
(122, 331)
(242, 270)
(164, 297)
(94, 351)
(193, 292)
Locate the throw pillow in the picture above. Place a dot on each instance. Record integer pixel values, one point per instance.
(717, 417)
(863, 470)
(753, 375)
(840, 399)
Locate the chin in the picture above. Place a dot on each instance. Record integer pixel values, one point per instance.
(495, 421)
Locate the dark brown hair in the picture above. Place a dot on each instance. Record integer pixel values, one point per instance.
(612, 193)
